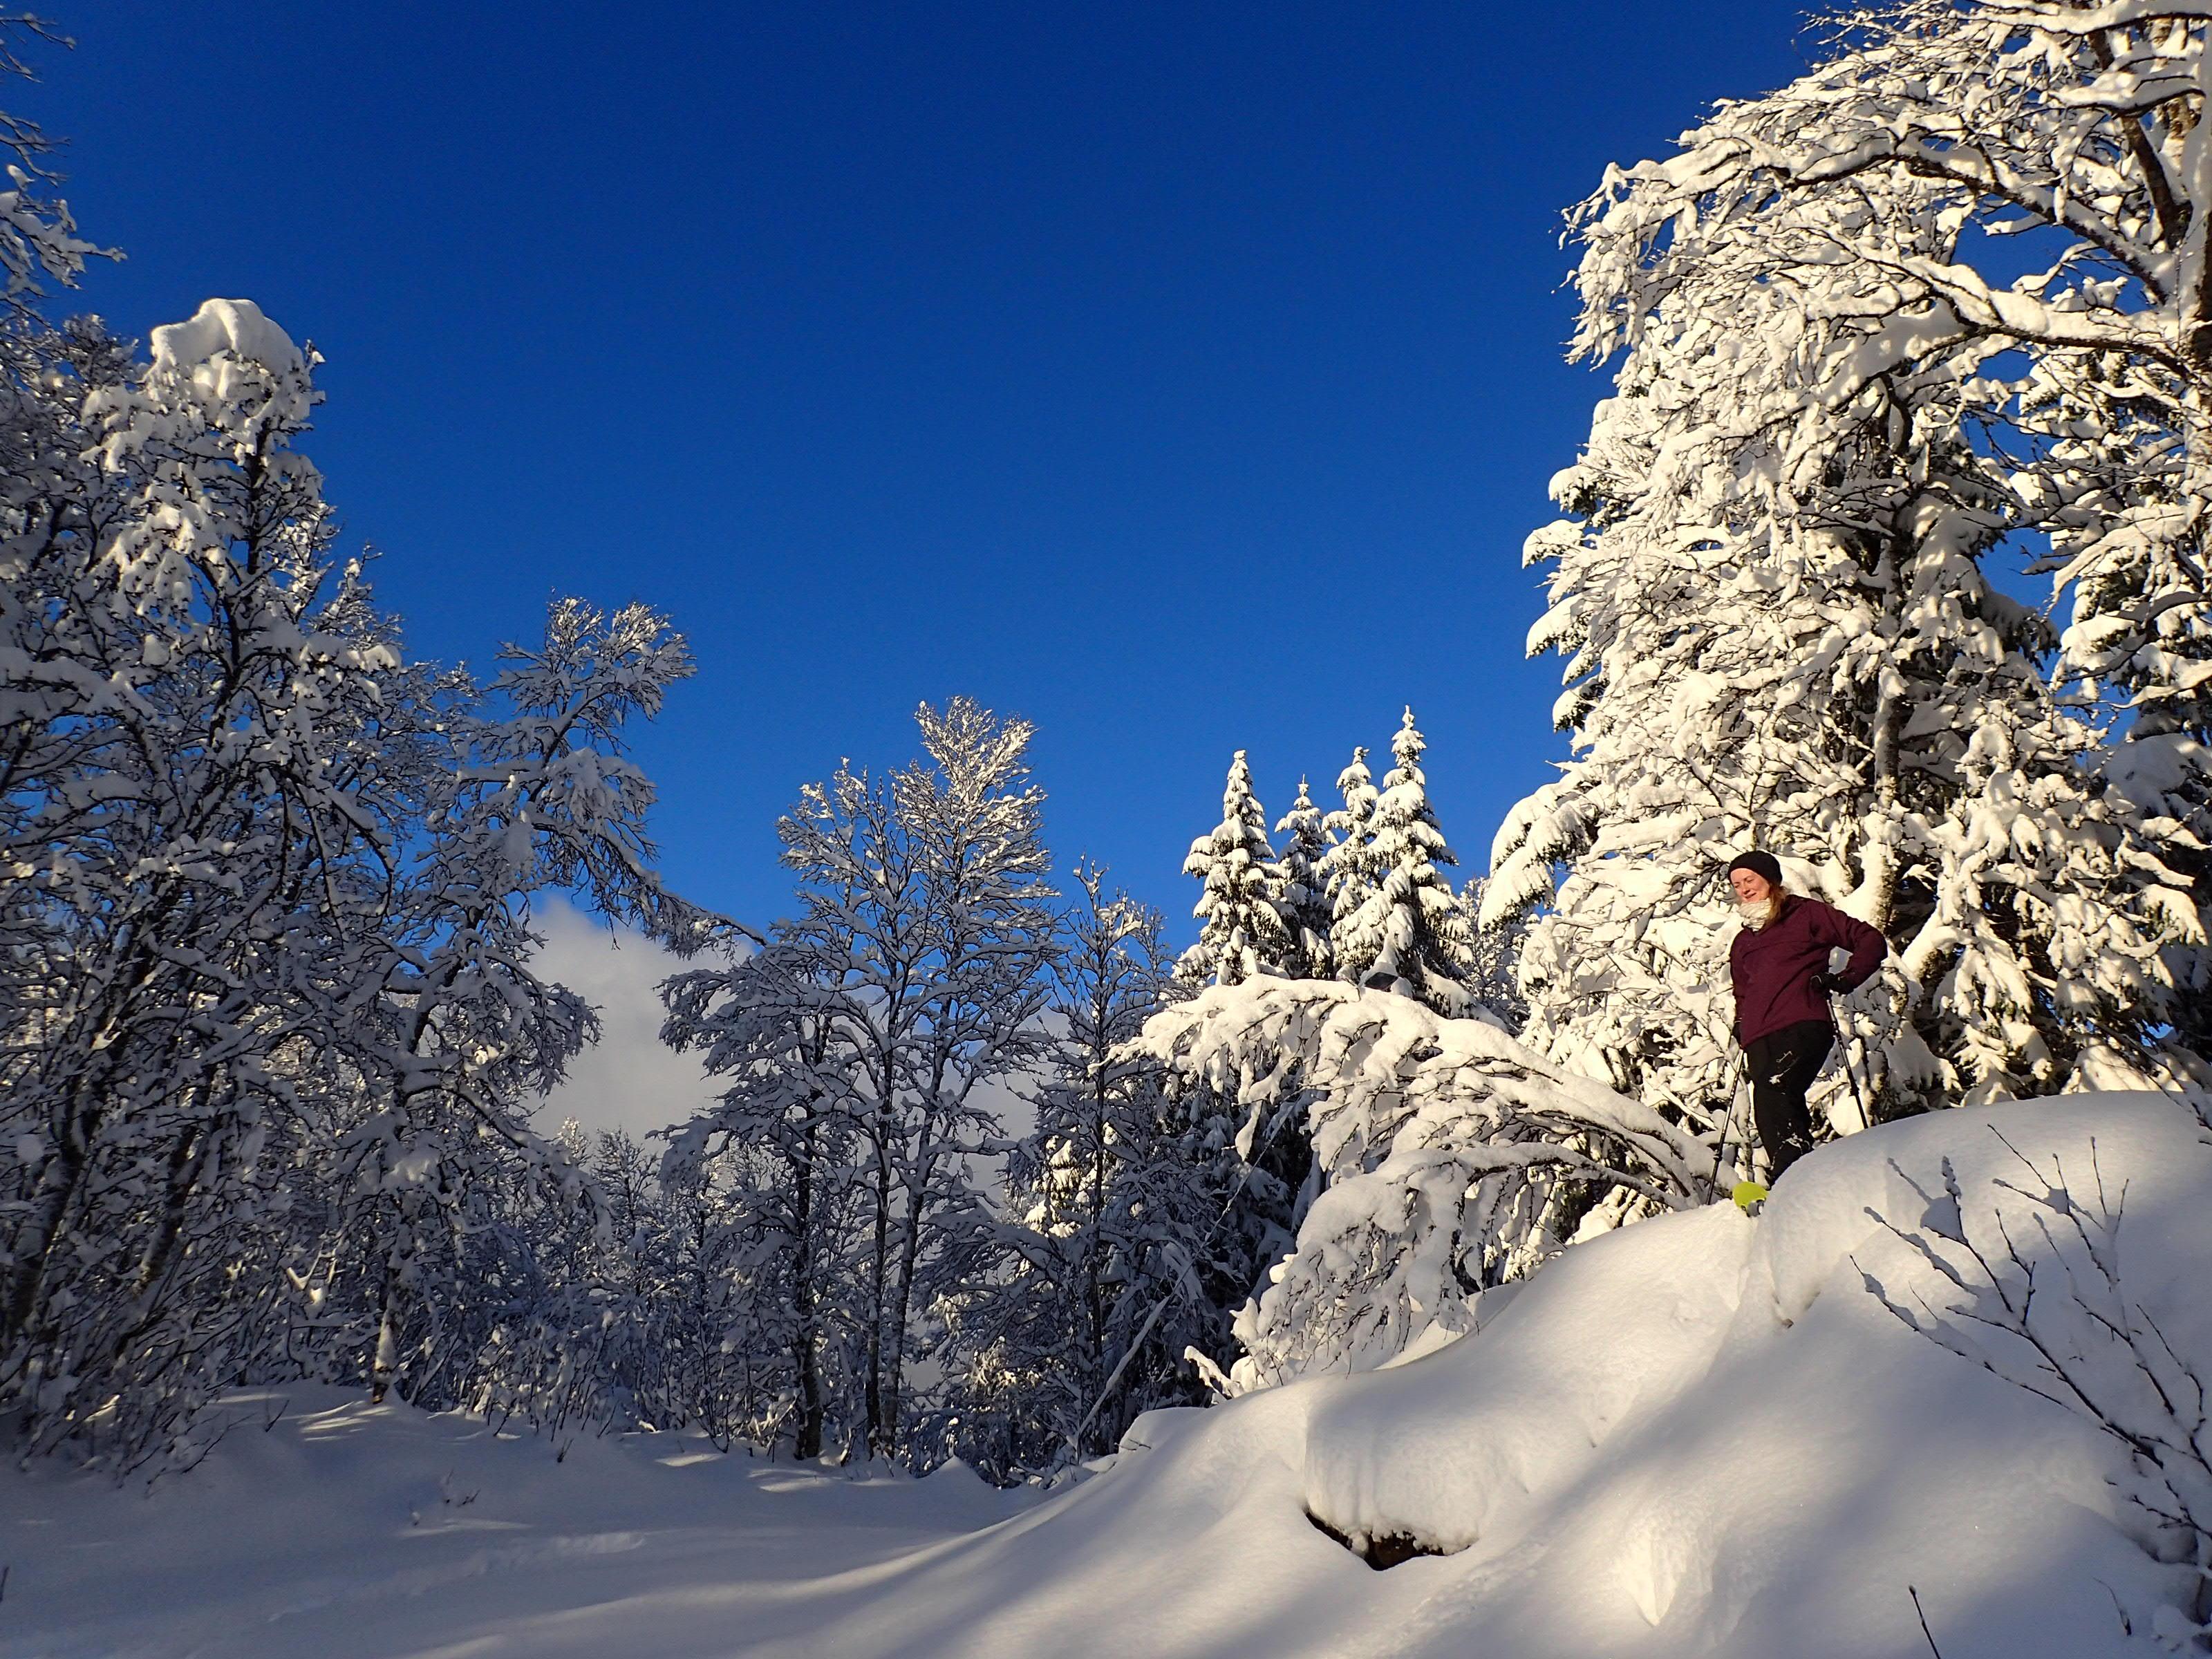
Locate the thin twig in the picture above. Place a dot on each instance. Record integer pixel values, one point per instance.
(1924, 1631)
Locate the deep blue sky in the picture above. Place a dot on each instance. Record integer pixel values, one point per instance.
(1184, 377)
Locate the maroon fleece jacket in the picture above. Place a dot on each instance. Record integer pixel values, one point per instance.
(1772, 967)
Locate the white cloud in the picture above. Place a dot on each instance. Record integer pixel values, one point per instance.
(629, 1079)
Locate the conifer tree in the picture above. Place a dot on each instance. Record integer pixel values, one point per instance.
(1299, 889)
(1244, 934)
(1348, 869)
(1410, 934)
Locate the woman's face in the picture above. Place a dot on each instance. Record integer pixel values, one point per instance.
(1751, 887)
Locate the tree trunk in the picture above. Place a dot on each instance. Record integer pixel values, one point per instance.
(903, 1295)
(806, 1359)
(384, 1368)
(879, 1273)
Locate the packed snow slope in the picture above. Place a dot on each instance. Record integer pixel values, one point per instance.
(1702, 1435)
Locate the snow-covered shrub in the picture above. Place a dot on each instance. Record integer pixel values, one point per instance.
(2035, 1296)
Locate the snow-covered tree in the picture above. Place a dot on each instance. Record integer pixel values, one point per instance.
(1494, 980)
(988, 928)
(463, 1036)
(1844, 240)
(271, 1038)
(183, 850)
(791, 1121)
(273, 1042)
(39, 243)
(1409, 934)
(1084, 1325)
(1780, 633)
(1299, 889)
(1349, 872)
(867, 1043)
(1242, 932)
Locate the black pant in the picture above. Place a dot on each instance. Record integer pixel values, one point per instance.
(1782, 1065)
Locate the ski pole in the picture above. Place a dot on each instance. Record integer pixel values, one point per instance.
(1846, 1035)
(1727, 1120)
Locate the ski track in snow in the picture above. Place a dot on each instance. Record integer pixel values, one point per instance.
(1695, 1437)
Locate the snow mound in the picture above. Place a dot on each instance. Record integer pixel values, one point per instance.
(1701, 1435)
(1443, 1449)
(235, 328)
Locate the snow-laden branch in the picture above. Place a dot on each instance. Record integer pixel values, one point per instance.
(1425, 1129)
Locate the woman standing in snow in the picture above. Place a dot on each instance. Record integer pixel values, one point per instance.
(1778, 964)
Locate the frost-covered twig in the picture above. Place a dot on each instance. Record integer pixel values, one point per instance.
(2035, 1298)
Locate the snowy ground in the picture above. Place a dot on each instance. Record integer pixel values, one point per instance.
(1697, 1437)
(350, 1530)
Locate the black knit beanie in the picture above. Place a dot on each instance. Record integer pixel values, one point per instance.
(1759, 863)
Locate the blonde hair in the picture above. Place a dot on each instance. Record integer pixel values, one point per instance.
(1775, 892)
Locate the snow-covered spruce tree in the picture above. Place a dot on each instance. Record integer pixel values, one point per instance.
(1299, 889)
(1780, 634)
(1349, 870)
(1257, 1165)
(1410, 934)
(2079, 128)
(1084, 1324)
(1242, 932)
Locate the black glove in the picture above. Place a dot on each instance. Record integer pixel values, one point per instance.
(1826, 984)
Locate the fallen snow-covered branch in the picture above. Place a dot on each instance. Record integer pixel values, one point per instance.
(1443, 1147)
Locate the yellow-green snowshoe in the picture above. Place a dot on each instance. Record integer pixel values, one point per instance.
(1750, 1197)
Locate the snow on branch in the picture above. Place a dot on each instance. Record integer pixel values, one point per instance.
(1428, 1134)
